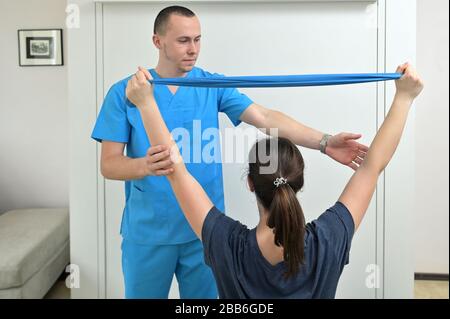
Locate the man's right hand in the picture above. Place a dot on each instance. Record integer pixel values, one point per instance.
(157, 161)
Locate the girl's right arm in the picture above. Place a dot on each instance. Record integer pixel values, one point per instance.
(359, 190)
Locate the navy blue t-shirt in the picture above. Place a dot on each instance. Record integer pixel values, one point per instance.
(241, 271)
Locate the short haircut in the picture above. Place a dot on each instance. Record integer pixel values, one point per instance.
(162, 19)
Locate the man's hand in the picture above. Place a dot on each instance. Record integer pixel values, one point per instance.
(139, 91)
(157, 161)
(344, 149)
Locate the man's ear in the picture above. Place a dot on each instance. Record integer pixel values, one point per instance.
(250, 184)
(156, 41)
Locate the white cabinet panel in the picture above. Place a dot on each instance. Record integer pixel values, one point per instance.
(263, 39)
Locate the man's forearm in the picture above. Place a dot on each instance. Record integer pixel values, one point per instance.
(123, 168)
(291, 129)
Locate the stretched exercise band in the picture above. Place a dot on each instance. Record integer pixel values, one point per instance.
(278, 80)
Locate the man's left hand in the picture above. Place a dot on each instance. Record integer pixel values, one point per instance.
(344, 149)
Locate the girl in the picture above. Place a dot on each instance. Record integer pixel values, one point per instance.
(282, 257)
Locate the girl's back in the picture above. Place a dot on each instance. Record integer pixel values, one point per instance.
(241, 270)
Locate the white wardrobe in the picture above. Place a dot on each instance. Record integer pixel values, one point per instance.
(254, 38)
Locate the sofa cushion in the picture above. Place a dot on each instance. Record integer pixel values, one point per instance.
(28, 239)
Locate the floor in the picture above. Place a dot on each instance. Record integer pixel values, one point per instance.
(429, 289)
(423, 289)
(58, 291)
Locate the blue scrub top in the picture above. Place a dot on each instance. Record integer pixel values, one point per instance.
(152, 214)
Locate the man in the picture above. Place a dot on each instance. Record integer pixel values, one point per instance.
(157, 240)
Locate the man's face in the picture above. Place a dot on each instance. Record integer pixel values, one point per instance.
(180, 45)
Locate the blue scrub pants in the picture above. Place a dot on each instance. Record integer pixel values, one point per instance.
(148, 270)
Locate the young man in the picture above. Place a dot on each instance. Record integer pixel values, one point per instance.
(157, 240)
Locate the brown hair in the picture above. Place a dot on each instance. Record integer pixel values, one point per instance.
(285, 213)
(164, 15)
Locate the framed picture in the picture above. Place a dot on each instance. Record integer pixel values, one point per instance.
(40, 47)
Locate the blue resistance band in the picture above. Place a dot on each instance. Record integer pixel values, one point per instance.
(278, 80)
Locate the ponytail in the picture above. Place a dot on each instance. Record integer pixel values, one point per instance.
(276, 192)
(288, 223)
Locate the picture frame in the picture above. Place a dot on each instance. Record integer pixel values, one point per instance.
(40, 47)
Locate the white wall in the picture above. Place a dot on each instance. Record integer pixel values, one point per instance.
(34, 147)
(432, 144)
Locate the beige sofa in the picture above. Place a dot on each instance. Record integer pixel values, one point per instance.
(34, 251)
